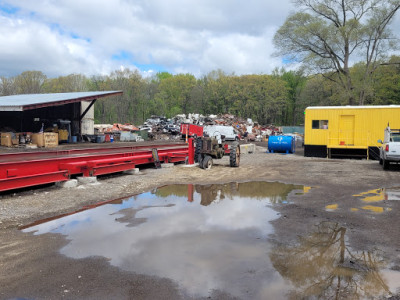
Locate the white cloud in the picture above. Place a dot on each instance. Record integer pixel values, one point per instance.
(60, 37)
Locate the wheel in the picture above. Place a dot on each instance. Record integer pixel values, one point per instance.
(197, 151)
(207, 162)
(385, 164)
(234, 156)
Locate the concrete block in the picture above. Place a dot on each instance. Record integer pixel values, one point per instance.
(188, 166)
(67, 184)
(87, 180)
(134, 171)
(247, 148)
(167, 165)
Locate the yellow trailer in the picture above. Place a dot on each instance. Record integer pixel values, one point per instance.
(347, 130)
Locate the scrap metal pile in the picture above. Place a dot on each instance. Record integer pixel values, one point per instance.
(161, 128)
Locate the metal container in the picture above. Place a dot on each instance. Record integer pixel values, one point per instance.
(100, 138)
(281, 143)
(144, 134)
(125, 136)
(133, 137)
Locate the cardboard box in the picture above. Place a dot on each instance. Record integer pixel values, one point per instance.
(50, 139)
(6, 139)
(38, 139)
(45, 139)
(9, 139)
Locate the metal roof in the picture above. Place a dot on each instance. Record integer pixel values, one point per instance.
(32, 101)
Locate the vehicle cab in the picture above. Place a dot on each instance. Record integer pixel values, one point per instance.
(389, 152)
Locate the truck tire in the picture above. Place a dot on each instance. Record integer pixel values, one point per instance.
(197, 151)
(234, 156)
(385, 164)
(207, 162)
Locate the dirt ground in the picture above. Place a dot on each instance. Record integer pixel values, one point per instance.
(32, 268)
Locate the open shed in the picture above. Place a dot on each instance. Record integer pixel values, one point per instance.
(31, 112)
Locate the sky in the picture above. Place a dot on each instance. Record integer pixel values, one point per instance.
(96, 37)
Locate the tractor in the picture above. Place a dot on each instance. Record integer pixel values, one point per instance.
(209, 148)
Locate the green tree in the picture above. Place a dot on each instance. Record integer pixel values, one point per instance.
(217, 85)
(295, 82)
(65, 84)
(175, 92)
(30, 82)
(328, 34)
(386, 83)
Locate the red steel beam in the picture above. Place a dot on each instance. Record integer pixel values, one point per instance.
(21, 156)
(23, 173)
(32, 180)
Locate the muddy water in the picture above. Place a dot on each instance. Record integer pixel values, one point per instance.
(211, 238)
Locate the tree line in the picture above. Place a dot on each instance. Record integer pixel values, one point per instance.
(343, 44)
(279, 98)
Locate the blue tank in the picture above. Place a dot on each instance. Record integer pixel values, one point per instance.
(281, 143)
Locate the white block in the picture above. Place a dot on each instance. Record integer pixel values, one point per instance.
(167, 165)
(87, 180)
(134, 171)
(67, 184)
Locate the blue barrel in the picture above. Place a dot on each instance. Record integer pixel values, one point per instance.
(281, 143)
(100, 138)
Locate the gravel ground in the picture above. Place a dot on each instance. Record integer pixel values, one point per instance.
(31, 267)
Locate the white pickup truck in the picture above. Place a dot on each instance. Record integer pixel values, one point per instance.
(390, 149)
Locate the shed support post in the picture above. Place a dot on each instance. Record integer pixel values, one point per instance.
(86, 110)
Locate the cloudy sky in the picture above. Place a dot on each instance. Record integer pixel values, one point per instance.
(91, 37)
(60, 37)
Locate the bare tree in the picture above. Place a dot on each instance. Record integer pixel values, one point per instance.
(330, 35)
(7, 86)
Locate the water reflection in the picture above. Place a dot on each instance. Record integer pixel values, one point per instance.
(378, 195)
(214, 238)
(332, 207)
(273, 192)
(322, 266)
(205, 238)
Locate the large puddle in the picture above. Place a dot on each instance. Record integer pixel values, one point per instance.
(210, 238)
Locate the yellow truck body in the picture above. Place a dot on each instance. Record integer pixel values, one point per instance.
(347, 130)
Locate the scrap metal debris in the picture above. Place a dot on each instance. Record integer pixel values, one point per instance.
(161, 128)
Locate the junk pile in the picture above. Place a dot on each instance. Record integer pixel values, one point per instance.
(118, 132)
(161, 128)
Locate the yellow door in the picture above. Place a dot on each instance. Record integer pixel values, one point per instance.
(346, 130)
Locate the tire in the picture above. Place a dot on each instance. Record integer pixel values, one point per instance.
(197, 151)
(234, 156)
(385, 164)
(207, 162)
